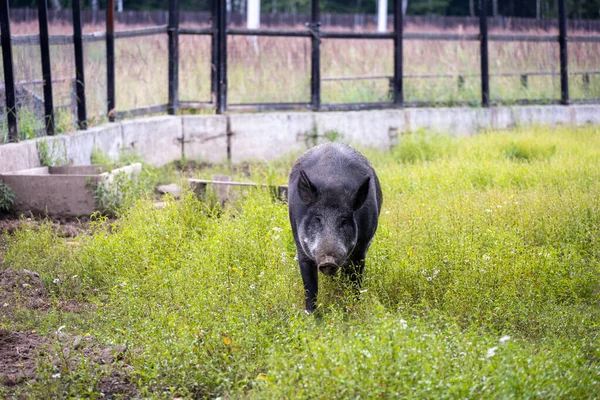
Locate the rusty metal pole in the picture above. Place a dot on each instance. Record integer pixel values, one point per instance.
(173, 32)
(110, 59)
(562, 41)
(483, 38)
(9, 77)
(398, 49)
(315, 81)
(79, 62)
(46, 67)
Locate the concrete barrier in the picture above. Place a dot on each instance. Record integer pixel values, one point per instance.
(239, 137)
(67, 191)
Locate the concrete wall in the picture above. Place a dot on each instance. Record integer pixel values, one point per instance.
(239, 137)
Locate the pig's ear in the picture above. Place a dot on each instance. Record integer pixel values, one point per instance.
(307, 191)
(361, 194)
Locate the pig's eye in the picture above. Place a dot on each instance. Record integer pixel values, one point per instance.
(343, 222)
(318, 221)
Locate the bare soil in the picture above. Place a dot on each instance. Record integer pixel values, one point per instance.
(18, 355)
(22, 352)
(64, 227)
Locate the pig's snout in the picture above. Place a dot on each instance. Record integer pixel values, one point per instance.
(328, 266)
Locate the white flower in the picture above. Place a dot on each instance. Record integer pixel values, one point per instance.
(56, 375)
(60, 328)
(5, 305)
(403, 323)
(276, 229)
(56, 280)
(252, 287)
(366, 353)
(74, 276)
(491, 352)
(26, 285)
(487, 210)
(504, 339)
(387, 212)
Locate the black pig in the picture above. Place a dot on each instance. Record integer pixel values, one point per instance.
(334, 201)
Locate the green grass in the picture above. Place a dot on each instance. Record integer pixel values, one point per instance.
(474, 245)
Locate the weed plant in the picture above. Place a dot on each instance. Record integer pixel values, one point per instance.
(7, 196)
(483, 280)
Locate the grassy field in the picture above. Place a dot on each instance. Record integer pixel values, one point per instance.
(483, 281)
(270, 69)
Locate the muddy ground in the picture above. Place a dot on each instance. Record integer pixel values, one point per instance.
(22, 354)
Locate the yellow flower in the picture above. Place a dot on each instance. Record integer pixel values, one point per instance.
(226, 340)
(262, 377)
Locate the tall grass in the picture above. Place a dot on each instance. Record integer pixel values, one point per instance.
(483, 281)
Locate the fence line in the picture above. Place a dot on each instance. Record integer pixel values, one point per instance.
(219, 32)
(350, 21)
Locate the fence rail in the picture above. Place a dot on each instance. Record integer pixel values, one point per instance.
(219, 31)
(348, 21)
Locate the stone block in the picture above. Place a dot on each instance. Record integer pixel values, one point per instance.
(268, 136)
(18, 156)
(158, 140)
(376, 129)
(205, 138)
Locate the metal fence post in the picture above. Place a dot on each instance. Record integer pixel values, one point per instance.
(214, 47)
(173, 32)
(398, 92)
(562, 40)
(79, 74)
(110, 59)
(315, 75)
(483, 39)
(46, 68)
(221, 66)
(9, 78)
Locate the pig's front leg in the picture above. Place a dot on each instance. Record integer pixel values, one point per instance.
(354, 272)
(308, 269)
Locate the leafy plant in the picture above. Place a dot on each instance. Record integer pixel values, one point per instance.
(526, 150)
(423, 146)
(100, 157)
(52, 152)
(6, 197)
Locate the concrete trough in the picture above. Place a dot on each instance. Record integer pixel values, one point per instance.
(222, 186)
(66, 191)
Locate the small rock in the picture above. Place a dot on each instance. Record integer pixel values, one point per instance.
(77, 343)
(172, 189)
(113, 353)
(28, 272)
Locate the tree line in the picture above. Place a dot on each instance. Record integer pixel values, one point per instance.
(587, 9)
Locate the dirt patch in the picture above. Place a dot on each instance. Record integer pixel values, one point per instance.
(25, 289)
(64, 227)
(22, 289)
(18, 355)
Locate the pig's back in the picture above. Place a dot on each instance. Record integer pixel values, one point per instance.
(336, 164)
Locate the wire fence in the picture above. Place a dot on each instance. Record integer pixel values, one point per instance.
(92, 72)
